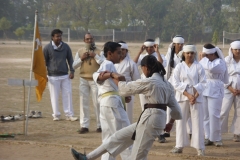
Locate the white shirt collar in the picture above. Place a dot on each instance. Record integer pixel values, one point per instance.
(54, 45)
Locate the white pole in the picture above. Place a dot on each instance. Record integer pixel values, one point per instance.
(223, 38)
(24, 107)
(29, 89)
(68, 35)
(113, 35)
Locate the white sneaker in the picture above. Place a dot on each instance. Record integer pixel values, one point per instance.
(31, 113)
(37, 114)
(18, 117)
(56, 119)
(9, 118)
(71, 118)
(218, 143)
(176, 150)
(200, 152)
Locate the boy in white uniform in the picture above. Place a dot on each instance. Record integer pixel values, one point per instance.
(130, 71)
(189, 82)
(158, 93)
(113, 117)
(216, 74)
(232, 92)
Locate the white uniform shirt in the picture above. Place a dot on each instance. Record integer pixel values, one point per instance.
(169, 70)
(154, 54)
(185, 78)
(155, 91)
(106, 86)
(214, 71)
(128, 68)
(233, 72)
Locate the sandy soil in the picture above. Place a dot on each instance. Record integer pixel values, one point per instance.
(48, 139)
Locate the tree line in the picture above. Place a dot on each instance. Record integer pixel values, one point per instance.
(196, 20)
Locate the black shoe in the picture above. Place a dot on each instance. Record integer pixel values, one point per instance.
(166, 134)
(190, 136)
(207, 142)
(161, 139)
(2, 118)
(77, 155)
(83, 130)
(99, 130)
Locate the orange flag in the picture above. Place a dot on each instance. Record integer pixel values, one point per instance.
(39, 66)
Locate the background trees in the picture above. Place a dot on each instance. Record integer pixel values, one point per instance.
(196, 20)
(4, 25)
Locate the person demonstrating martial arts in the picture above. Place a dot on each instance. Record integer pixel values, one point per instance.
(216, 74)
(113, 117)
(189, 83)
(158, 94)
(232, 92)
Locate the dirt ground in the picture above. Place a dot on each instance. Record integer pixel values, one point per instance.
(48, 139)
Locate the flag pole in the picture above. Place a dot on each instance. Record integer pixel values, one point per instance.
(31, 70)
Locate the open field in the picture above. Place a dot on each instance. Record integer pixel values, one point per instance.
(48, 139)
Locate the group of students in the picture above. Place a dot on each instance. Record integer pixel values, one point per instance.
(205, 86)
(198, 95)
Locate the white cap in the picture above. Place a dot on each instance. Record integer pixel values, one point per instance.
(209, 51)
(235, 45)
(189, 48)
(149, 43)
(123, 45)
(178, 39)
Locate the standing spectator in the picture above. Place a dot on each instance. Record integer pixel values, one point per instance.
(173, 58)
(189, 82)
(88, 60)
(151, 49)
(232, 92)
(216, 74)
(58, 58)
(130, 71)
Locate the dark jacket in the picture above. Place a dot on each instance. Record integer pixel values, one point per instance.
(58, 61)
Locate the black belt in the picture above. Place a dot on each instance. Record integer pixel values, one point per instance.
(158, 106)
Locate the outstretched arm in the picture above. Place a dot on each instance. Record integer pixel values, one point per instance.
(106, 74)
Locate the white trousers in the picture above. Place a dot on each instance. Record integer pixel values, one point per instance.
(229, 100)
(189, 122)
(57, 85)
(196, 113)
(129, 110)
(189, 125)
(212, 126)
(86, 88)
(113, 118)
(150, 126)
